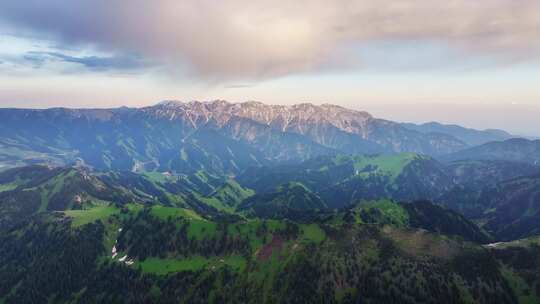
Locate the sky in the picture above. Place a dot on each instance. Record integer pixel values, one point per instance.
(474, 63)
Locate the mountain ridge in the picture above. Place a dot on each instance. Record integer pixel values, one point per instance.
(160, 137)
(321, 123)
(514, 149)
(471, 136)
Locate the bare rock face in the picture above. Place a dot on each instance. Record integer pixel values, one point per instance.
(296, 118)
(77, 199)
(329, 125)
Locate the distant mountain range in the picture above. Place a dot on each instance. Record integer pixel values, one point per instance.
(471, 137)
(215, 136)
(516, 149)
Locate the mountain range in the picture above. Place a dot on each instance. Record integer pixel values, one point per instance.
(469, 136)
(180, 136)
(516, 149)
(216, 202)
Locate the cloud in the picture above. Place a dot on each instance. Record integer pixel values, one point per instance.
(37, 61)
(91, 62)
(250, 40)
(239, 86)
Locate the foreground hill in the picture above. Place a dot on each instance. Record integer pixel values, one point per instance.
(169, 255)
(168, 238)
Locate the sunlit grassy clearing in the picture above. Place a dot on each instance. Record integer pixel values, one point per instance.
(166, 266)
(83, 217)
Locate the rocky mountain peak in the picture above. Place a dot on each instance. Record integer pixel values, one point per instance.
(278, 116)
(328, 125)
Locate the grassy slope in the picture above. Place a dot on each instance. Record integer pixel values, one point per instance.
(214, 202)
(207, 230)
(231, 193)
(383, 211)
(156, 177)
(201, 230)
(394, 212)
(198, 230)
(312, 233)
(520, 287)
(193, 263)
(391, 165)
(82, 217)
(164, 213)
(7, 187)
(53, 186)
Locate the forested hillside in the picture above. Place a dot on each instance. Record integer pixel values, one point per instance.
(168, 238)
